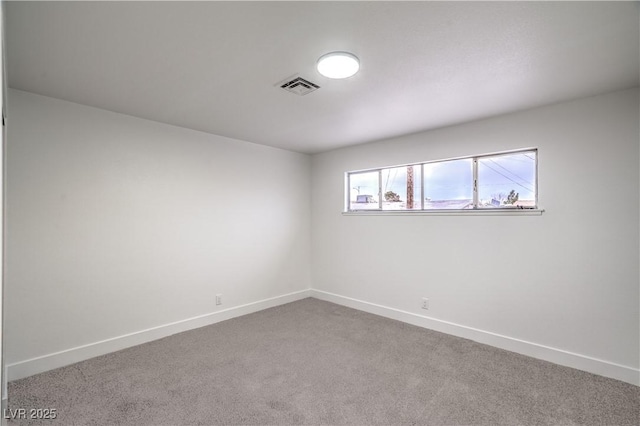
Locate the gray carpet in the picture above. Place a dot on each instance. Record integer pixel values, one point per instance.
(314, 362)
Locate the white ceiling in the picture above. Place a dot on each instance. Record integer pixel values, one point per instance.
(212, 66)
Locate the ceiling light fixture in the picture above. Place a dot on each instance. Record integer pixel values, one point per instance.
(338, 65)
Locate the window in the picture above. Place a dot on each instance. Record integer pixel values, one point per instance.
(365, 190)
(492, 181)
(401, 188)
(507, 180)
(448, 184)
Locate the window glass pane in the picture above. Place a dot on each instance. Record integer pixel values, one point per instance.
(448, 184)
(364, 190)
(507, 180)
(401, 188)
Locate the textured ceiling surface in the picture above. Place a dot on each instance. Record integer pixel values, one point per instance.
(212, 66)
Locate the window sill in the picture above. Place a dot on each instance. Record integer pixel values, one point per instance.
(443, 212)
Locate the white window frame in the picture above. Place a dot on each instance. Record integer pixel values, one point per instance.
(476, 210)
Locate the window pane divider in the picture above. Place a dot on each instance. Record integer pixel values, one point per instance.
(380, 190)
(475, 183)
(422, 186)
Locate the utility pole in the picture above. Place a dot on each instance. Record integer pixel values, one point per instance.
(410, 187)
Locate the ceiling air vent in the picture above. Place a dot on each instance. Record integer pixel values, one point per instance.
(297, 85)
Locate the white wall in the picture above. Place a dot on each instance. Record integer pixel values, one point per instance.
(566, 282)
(117, 225)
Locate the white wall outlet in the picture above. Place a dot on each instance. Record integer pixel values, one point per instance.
(425, 303)
(218, 299)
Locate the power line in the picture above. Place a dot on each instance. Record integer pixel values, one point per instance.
(509, 171)
(517, 183)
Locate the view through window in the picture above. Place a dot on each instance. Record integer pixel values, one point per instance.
(492, 181)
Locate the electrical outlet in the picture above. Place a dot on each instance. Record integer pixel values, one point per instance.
(425, 303)
(218, 299)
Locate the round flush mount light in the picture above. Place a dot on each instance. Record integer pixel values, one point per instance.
(338, 65)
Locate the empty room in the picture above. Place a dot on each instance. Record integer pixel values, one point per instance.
(320, 213)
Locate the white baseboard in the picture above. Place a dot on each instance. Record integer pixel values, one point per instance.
(48, 362)
(557, 356)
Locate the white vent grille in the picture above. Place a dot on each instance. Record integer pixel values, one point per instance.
(298, 85)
